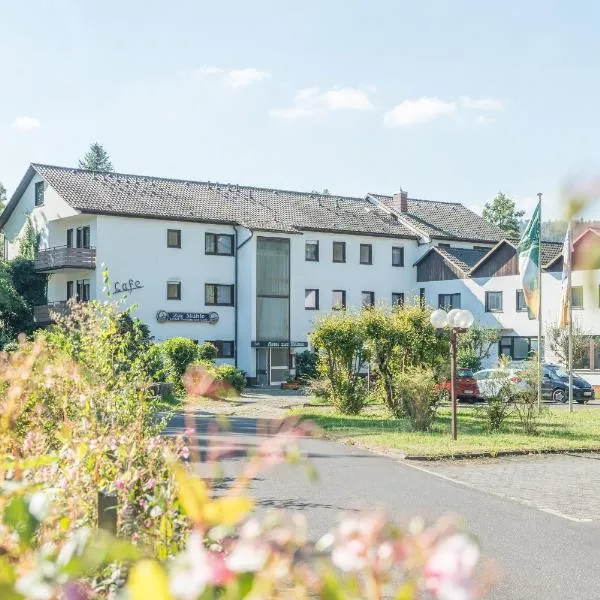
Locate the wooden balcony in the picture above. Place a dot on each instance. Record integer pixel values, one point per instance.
(45, 314)
(63, 257)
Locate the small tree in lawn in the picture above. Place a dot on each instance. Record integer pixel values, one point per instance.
(501, 212)
(475, 345)
(558, 342)
(340, 340)
(96, 159)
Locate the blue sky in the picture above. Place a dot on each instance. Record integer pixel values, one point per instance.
(450, 100)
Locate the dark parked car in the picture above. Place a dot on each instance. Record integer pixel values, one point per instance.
(466, 386)
(555, 385)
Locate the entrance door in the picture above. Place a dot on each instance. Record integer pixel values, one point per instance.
(262, 366)
(280, 365)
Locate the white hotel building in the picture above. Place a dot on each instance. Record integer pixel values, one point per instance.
(250, 268)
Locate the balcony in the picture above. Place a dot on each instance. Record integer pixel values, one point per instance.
(45, 314)
(62, 257)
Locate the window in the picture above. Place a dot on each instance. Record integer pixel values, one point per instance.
(311, 299)
(39, 193)
(311, 251)
(577, 296)
(338, 300)
(173, 238)
(521, 305)
(517, 348)
(69, 238)
(339, 252)
(69, 290)
(366, 254)
(173, 290)
(397, 256)
(422, 297)
(367, 299)
(397, 299)
(493, 302)
(483, 248)
(216, 294)
(444, 246)
(83, 290)
(218, 243)
(83, 237)
(225, 349)
(448, 301)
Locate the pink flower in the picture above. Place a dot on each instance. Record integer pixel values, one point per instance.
(449, 569)
(184, 453)
(150, 484)
(120, 484)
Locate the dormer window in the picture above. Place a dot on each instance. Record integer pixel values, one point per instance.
(39, 193)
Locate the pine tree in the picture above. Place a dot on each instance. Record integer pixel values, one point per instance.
(96, 159)
(501, 212)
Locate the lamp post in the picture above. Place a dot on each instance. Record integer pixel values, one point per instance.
(456, 321)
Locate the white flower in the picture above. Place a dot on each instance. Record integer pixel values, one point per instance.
(347, 557)
(191, 571)
(246, 558)
(39, 505)
(155, 512)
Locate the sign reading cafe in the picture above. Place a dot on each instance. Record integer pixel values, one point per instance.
(279, 344)
(127, 286)
(162, 316)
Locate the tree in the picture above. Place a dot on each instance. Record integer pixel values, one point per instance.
(558, 341)
(2, 197)
(475, 345)
(15, 316)
(501, 212)
(96, 159)
(29, 241)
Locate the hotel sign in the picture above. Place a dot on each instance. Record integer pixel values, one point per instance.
(162, 316)
(279, 344)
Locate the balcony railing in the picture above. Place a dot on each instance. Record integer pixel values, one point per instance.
(62, 257)
(46, 313)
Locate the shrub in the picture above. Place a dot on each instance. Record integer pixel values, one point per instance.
(526, 400)
(178, 353)
(475, 345)
(416, 397)
(340, 340)
(231, 375)
(206, 352)
(306, 365)
(319, 388)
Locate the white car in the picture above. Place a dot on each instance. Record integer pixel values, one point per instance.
(490, 381)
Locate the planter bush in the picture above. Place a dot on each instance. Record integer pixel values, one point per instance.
(416, 396)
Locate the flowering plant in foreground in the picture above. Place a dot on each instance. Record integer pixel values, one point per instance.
(180, 536)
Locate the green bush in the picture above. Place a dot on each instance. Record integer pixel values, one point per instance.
(340, 340)
(306, 365)
(178, 353)
(206, 352)
(416, 397)
(231, 375)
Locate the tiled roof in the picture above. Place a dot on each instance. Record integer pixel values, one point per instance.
(463, 258)
(549, 251)
(447, 220)
(257, 208)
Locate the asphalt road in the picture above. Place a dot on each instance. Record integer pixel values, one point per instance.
(534, 553)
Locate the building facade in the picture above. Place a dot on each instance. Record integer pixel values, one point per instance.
(250, 269)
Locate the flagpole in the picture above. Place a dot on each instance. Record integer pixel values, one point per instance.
(539, 352)
(570, 305)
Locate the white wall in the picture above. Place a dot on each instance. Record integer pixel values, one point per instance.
(133, 248)
(42, 217)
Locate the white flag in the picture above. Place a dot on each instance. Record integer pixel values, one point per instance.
(565, 301)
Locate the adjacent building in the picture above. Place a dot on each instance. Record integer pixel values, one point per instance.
(251, 268)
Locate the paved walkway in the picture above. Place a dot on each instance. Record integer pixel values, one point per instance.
(550, 555)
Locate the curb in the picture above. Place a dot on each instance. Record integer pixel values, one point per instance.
(500, 453)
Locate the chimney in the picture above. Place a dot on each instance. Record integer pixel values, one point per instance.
(400, 201)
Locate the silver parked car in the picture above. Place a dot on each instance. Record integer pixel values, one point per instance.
(491, 381)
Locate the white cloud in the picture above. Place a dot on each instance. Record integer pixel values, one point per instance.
(484, 120)
(233, 78)
(311, 101)
(26, 123)
(244, 77)
(422, 110)
(480, 104)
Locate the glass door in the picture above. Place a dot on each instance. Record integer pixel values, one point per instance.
(262, 366)
(280, 365)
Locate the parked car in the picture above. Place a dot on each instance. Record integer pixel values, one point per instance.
(555, 385)
(491, 381)
(466, 386)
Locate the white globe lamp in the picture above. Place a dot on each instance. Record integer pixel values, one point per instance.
(439, 318)
(453, 316)
(465, 319)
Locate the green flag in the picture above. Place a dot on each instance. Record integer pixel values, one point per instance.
(528, 250)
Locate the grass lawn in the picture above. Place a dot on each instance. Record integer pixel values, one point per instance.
(558, 431)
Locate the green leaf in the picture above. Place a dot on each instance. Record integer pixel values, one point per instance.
(18, 517)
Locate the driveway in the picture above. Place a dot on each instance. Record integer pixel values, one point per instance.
(543, 544)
